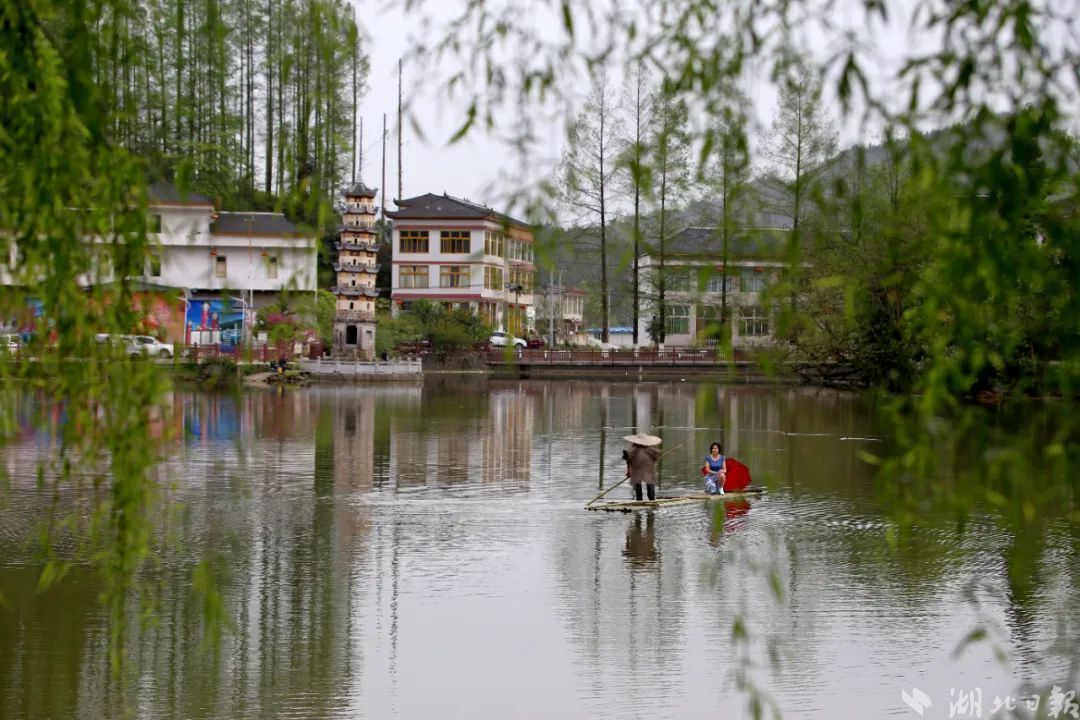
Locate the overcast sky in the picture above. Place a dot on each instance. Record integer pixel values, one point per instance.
(483, 169)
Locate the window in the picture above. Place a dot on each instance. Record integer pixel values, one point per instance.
(413, 276)
(220, 267)
(517, 250)
(494, 243)
(454, 276)
(752, 280)
(712, 281)
(153, 224)
(524, 278)
(679, 280)
(271, 267)
(677, 320)
(455, 241)
(493, 278)
(709, 324)
(154, 264)
(413, 241)
(753, 322)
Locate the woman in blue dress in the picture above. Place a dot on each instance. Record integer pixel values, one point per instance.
(715, 470)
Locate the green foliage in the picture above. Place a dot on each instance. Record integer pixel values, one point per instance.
(51, 108)
(325, 310)
(446, 330)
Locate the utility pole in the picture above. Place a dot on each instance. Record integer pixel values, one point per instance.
(359, 169)
(400, 132)
(551, 310)
(383, 198)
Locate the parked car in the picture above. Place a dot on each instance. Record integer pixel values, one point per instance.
(136, 345)
(534, 341)
(595, 344)
(152, 347)
(502, 339)
(124, 342)
(9, 343)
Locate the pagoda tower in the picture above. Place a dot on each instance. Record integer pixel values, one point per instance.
(354, 319)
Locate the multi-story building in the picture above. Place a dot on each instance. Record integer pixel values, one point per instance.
(208, 251)
(695, 277)
(354, 319)
(565, 308)
(463, 255)
(209, 271)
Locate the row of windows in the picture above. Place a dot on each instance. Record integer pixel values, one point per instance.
(221, 266)
(450, 241)
(748, 280)
(452, 276)
(752, 321)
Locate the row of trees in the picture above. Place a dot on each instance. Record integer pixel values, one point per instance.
(634, 167)
(239, 98)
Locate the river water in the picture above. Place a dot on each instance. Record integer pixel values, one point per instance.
(416, 551)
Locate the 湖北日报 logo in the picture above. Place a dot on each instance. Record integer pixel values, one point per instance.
(917, 700)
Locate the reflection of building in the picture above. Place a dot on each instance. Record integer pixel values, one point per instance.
(464, 255)
(354, 319)
(508, 437)
(344, 442)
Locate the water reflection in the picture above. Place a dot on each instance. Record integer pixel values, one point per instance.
(641, 540)
(396, 551)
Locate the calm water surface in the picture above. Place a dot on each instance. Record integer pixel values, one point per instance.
(422, 551)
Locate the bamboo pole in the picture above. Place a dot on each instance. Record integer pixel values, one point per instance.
(628, 477)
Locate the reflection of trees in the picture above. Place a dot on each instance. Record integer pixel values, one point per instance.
(623, 599)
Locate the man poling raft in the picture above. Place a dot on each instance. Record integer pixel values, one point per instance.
(641, 462)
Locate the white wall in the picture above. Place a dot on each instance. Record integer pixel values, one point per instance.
(185, 245)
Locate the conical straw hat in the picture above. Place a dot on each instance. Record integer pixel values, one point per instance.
(643, 439)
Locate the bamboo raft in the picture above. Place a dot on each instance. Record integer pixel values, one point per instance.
(668, 500)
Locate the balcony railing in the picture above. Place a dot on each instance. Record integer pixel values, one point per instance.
(353, 222)
(355, 291)
(356, 267)
(354, 316)
(354, 245)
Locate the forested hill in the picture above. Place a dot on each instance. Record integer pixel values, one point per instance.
(251, 103)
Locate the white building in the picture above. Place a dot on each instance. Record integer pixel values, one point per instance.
(694, 287)
(460, 254)
(206, 252)
(206, 271)
(566, 308)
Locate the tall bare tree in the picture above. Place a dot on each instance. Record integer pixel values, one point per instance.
(589, 169)
(725, 177)
(636, 100)
(669, 159)
(803, 139)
